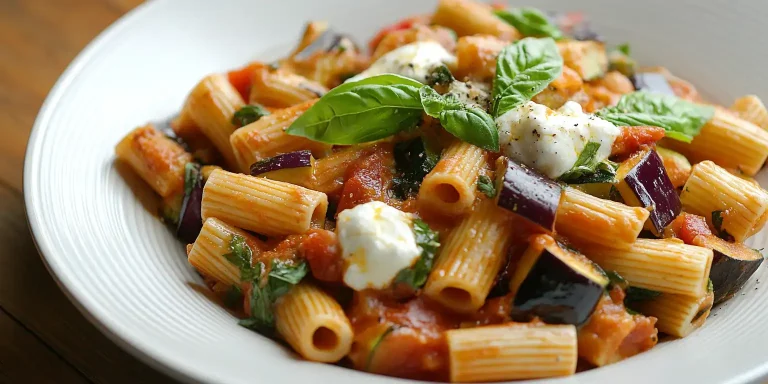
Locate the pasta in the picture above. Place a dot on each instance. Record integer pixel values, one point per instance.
(450, 187)
(212, 104)
(266, 137)
(665, 265)
(609, 223)
(158, 160)
(739, 204)
(729, 141)
(261, 205)
(314, 324)
(471, 257)
(517, 352)
(484, 194)
(208, 252)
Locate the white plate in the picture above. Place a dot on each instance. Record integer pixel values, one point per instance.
(128, 274)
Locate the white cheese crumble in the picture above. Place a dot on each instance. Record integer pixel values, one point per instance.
(415, 60)
(551, 141)
(377, 242)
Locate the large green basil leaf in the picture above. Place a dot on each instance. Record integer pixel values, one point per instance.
(362, 111)
(524, 69)
(680, 118)
(467, 122)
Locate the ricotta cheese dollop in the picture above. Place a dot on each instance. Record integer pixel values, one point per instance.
(377, 242)
(551, 141)
(415, 60)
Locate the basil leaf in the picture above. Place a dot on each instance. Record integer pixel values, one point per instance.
(466, 122)
(412, 163)
(429, 241)
(362, 111)
(616, 280)
(485, 185)
(588, 170)
(248, 114)
(530, 22)
(240, 255)
(624, 48)
(681, 119)
(281, 278)
(524, 69)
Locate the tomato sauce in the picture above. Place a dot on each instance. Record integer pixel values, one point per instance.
(369, 178)
(633, 139)
(321, 250)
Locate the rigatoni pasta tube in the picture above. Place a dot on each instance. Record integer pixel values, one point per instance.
(511, 352)
(667, 265)
(159, 160)
(212, 104)
(583, 218)
(328, 172)
(741, 204)
(266, 137)
(451, 187)
(729, 141)
(476, 56)
(470, 259)
(678, 315)
(468, 17)
(752, 109)
(208, 252)
(282, 89)
(269, 207)
(314, 324)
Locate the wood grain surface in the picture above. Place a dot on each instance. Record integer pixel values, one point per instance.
(43, 338)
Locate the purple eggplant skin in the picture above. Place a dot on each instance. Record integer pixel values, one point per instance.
(652, 82)
(190, 217)
(732, 265)
(560, 287)
(647, 184)
(298, 159)
(528, 193)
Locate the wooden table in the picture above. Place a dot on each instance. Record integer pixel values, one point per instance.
(43, 338)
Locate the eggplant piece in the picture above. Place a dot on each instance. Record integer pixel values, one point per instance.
(622, 62)
(527, 193)
(732, 265)
(293, 167)
(643, 182)
(555, 284)
(190, 216)
(652, 82)
(587, 58)
(574, 25)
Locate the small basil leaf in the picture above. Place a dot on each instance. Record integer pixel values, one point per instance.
(281, 278)
(468, 123)
(530, 22)
(524, 69)
(682, 120)
(240, 255)
(412, 162)
(362, 111)
(429, 241)
(485, 185)
(588, 170)
(248, 114)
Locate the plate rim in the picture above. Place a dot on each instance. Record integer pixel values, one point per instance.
(144, 352)
(39, 233)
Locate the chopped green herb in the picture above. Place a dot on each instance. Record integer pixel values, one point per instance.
(240, 255)
(615, 195)
(717, 222)
(280, 279)
(624, 48)
(375, 345)
(192, 177)
(632, 311)
(485, 185)
(248, 114)
(441, 75)
(412, 163)
(429, 241)
(710, 286)
(588, 170)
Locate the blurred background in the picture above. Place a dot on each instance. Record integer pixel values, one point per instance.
(43, 337)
